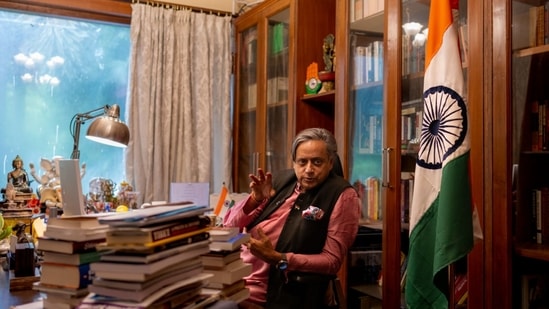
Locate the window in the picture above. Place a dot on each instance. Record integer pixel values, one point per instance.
(51, 69)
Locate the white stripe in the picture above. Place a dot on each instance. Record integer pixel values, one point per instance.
(428, 182)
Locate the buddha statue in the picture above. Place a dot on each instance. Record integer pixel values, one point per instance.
(18, 177)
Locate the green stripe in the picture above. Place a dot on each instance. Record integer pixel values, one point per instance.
(442, 235)
(455, 218)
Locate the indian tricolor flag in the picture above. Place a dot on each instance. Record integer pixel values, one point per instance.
(441, 224)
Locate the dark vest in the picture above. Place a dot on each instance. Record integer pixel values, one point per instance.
(300, 236)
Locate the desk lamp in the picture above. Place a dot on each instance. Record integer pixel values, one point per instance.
(107, 129)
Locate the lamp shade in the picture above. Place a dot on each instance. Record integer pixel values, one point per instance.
(109, 129)
(412, 28)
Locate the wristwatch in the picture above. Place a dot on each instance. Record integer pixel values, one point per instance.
(282, 265)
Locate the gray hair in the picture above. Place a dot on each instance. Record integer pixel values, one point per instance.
(316, 134)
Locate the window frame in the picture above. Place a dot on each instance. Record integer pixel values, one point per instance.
(115, 11)
(106, 11)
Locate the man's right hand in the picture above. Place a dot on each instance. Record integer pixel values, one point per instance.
(261, 185)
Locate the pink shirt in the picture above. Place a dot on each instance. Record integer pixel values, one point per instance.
(342, 231)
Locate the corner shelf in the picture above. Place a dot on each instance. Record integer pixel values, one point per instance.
(531, 51)
(326, 97)
(534, 251)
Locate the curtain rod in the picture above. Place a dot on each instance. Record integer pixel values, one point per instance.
(177, 7)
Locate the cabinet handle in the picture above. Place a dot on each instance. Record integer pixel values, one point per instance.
(387, 168)
(255, 163)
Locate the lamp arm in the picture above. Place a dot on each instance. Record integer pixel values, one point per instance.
(78, 120)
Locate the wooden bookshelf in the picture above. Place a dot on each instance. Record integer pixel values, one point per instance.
(534, 251)
(531, 51)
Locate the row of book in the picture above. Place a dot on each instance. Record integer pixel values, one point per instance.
(540, 214)
(413, 54)
(161, 257)
(535, 290)
(406, 195)
(531, 27)
(411, 118)
(371, 200)
(368, 63)
(539, 125)
(369, 193)
(370, 136)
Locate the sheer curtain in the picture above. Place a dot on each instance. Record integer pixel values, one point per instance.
(179, 100)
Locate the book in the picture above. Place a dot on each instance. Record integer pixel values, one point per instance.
(239, 296)
(72, 259)
(138, 257)
(151, 234)
(143, 277)
(143, 246)
(66, 276)
(67, 246)
(33, 305)
(536, 206)
(136, 249)
(190, 269)
(55, 304)
(154, 215)
(223, 233)
(230, 273)
(183, 289)
(72, 234)
(230, 245)
(140, 294)
(76, 222)
(59, 301)
(54, 289)
(149, 268)
(365, 266)
(544, 212)
(460, 286)
(226, 289)
(535, 291)
(218, 259)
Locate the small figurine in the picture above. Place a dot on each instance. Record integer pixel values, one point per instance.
(50, 183)
(19, 229)
(126, 195)
(327, 76)
(18, 177)
(329, 52)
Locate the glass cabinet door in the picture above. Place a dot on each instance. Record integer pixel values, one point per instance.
(365, 116)
(276, 152)
(366, 112)
(415, 22)
(247, 105)
(530, 151)
(262, 91)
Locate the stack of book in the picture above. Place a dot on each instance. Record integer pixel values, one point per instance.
(153, 259)
(67, 248)
(224, 263)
